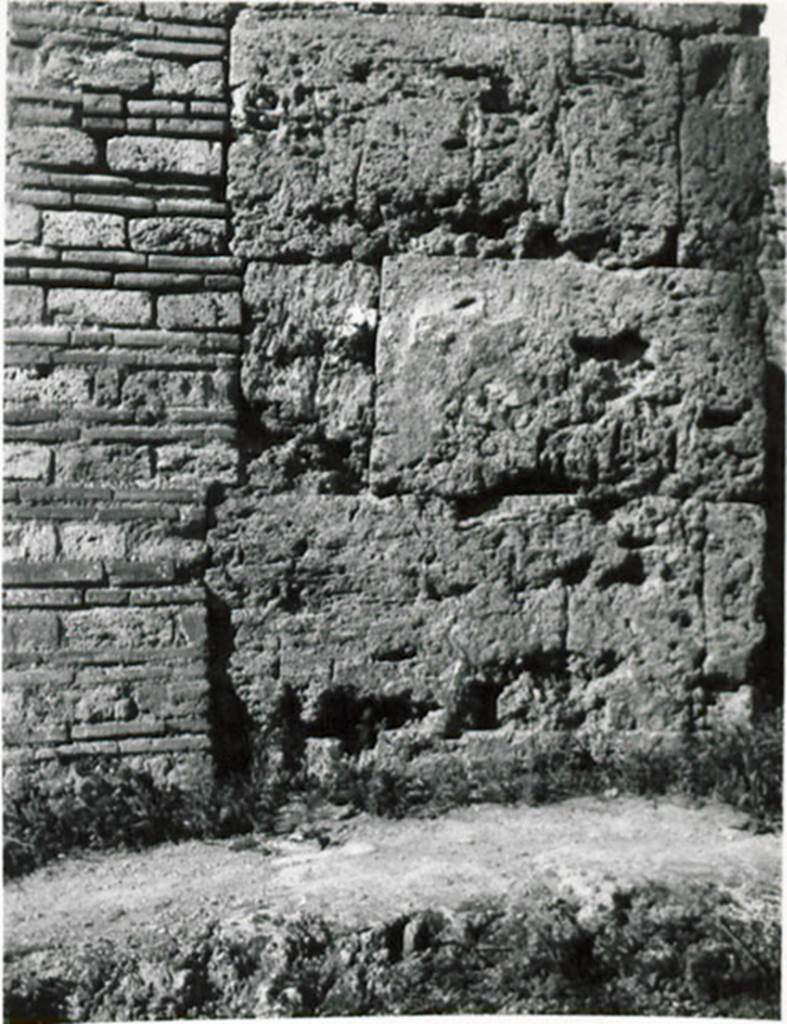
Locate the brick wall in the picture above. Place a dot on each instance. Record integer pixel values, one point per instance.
(381, 374)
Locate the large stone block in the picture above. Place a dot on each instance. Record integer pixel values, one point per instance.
(145, 155)
(64, 387)
(724, 150)
(133, 628)
(22, 304)
(29, 462)
(532, 611)
(552, 377)
(364, 136)
(29, 541)
(30, 632)
(22, 223)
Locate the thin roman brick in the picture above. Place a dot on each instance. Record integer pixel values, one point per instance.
(100, 730)
(60, 678)
(50, 512)
(193, 263)
(90, 414)
(169, 745)
(48, 95)
(107, 596)
(23, 355)
(205, 208)
(42, 598)
(125, 204)
(48, 198)
(176, 31)
(209, 108)
(42, 435)
(107, 748)
(125, 573)
(37, 335)
(102, 103)
(190, 51)
(177, 495)
(69, 275)
(15, 275)
(16, 415)
(147, 339)
(105, 124)
(34, 114)
(227, 415)
(223, 283)
(142, 435)
(168, 595)
(191, 127)
(68, 492)
(126, 513)
(90, 182)
(190, 281)
(27, 574)
(94, 337)
(156, 108)
(139, 124)
(27, 253)
(103, 258)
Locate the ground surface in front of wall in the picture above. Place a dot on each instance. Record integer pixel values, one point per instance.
(363, 870)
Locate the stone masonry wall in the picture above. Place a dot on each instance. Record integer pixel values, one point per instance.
(382, 374)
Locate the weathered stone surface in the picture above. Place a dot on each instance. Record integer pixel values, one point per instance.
(22, 223)
(308, 361)
(120, 465)
(26, 462)
(203, 79)
(178, 234)
(62, 147)
(23, 304)
(61, 386)
(142, 154)
(206, 309)
(724, 150)
(529, 610)
(29, 541)
(154, 395)
(75, 228)
(122, 627)
(105, 306)
(448, 135)
(562, 376)
(732, 592)
(31, 632)
(198, 465)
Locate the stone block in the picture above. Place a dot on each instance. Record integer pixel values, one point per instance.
(94, 541)
(65, 387)
(187, 465)
(124, 628)
(121, 465)
(100, 306)
(205, 310)
(724, 150)
(450, 135)
(202, 79)
(733, 592)
(22, 223)
(555, 377)
(27, 462)
(147, 155)
(23, 304)
(30, 631)
(61, 147)
(68, 228)
(178, 234)
(29, 541)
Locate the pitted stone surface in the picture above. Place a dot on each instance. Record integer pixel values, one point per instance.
(552, 376)
(531, 611)
(363, 136)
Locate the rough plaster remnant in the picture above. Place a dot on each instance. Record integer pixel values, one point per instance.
(178, 234)
(448, 135)
(77, 228)
(550, 376)
(23, 304)
(90, 306)
(724, 150)
(141, 154)
(63, 147)
(579, 618)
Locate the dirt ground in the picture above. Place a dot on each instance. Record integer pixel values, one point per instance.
(364, 870)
